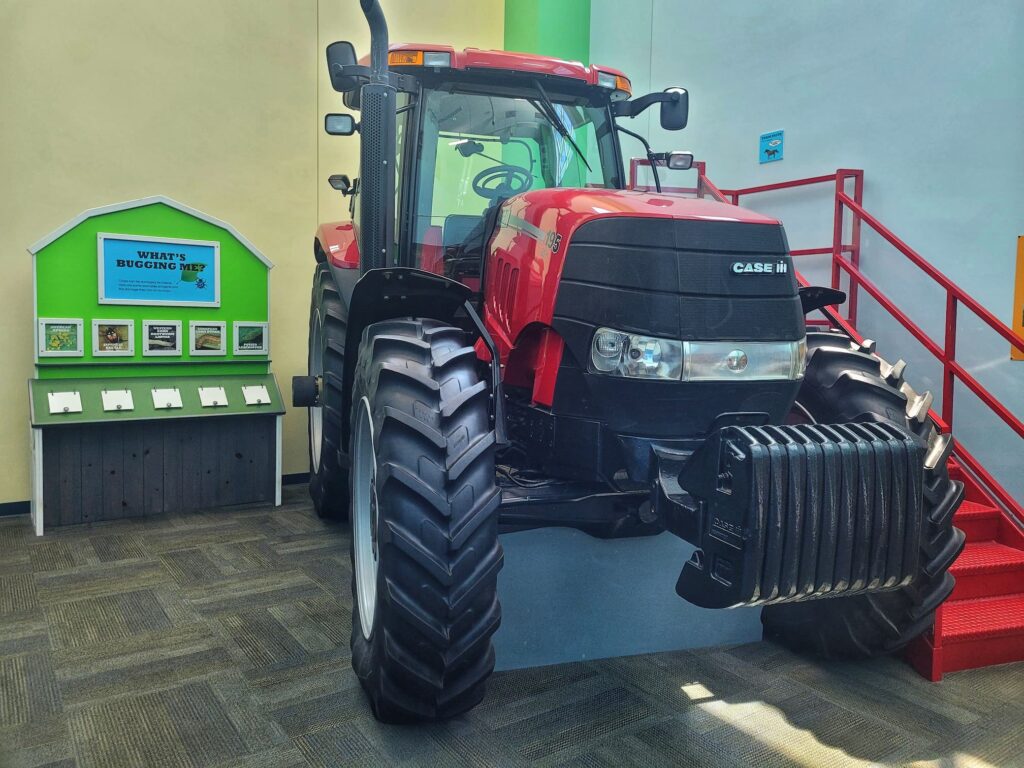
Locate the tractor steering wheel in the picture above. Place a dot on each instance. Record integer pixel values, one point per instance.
(501, 181)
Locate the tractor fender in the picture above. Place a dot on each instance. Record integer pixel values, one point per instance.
(337, 246)
(336, 243)
(388, 292)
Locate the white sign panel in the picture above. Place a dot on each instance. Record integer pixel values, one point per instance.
(117, 400)
(212, 397)
(64, 402)
(168, 397)
(256, 395)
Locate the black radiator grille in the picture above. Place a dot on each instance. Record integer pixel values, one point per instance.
(676, 278)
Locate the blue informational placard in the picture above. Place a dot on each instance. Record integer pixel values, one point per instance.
(158, 271)
(771, 146)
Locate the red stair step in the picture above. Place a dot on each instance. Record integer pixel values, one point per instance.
(982, 632)
(972, 491)
(978, 521)
(987, 569)
(964, 620)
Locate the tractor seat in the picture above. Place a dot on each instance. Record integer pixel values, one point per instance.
(463, 242)
(457, 228)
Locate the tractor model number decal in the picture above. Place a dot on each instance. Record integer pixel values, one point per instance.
(759, 267)
(552, 240)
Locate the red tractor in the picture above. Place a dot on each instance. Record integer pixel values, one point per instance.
(505, 337)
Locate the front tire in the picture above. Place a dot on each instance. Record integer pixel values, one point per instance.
(845, 383)
(425, 550)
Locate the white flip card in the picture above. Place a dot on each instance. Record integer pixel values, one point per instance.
(212, 397)
(168, 397)
(64, 402)
(117, 400)
(256, 395)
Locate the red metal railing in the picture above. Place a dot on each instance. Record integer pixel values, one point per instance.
(704, 186)
(944, 352)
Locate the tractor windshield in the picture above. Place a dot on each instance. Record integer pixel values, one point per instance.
(480, 149)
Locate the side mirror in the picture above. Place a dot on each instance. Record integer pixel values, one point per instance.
(675, 111)
(340, 182)
(339, 125)
(340, 55)
(679, 161)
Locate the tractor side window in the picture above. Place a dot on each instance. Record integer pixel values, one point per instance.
(480, 149)
(401, 129)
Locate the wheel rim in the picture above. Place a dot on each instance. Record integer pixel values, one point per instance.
(316, 413)
(364, 517)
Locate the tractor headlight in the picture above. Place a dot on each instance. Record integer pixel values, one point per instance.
(646, 357)
(635, 356)
(744, 360)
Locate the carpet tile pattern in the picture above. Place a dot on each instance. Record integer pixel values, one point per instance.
(220, 639)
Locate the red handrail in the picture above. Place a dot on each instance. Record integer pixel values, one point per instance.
(955, 297)
(704, 186)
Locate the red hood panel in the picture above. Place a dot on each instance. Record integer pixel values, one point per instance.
(580, 205)
(526, 254)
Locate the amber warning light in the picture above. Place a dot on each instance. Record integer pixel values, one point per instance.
(419, 59)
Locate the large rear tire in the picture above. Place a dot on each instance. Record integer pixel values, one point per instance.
(328, 465)
(844, 382)
(425, 550)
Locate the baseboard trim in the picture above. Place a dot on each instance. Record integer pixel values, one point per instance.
(297, 478)
(11, 508)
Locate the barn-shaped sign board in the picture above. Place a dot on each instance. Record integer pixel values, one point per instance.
(153, 391)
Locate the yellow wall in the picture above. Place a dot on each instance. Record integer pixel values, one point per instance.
(215, 103)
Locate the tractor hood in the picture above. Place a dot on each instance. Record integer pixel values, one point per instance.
(536, 227)
(563, 210)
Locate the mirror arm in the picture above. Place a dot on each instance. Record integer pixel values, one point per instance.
(634, 107)
(651, 157)
(362, 73)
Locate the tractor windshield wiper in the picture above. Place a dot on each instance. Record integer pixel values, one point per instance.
(547, 108)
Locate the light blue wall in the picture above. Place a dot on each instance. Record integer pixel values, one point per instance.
(927, 96)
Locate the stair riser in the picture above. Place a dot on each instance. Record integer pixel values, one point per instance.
(974, 585)
(979, 528)
(972, 491)
(982, 652)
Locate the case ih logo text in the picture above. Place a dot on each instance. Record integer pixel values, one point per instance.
(759, 267)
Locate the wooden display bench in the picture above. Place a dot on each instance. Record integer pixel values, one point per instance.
(153, 391)
(101, 464)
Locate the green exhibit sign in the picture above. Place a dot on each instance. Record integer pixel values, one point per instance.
(153, 391)
(148, 288)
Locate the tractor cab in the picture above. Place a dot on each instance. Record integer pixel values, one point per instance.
(478, 149)
(474, 128)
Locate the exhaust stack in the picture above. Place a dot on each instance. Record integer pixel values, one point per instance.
(377, 149)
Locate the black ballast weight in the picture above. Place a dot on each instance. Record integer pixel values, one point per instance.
(788, 513)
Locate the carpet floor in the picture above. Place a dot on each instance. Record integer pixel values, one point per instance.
(221, 639)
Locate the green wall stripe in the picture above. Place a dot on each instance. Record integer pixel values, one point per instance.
(550, 27)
